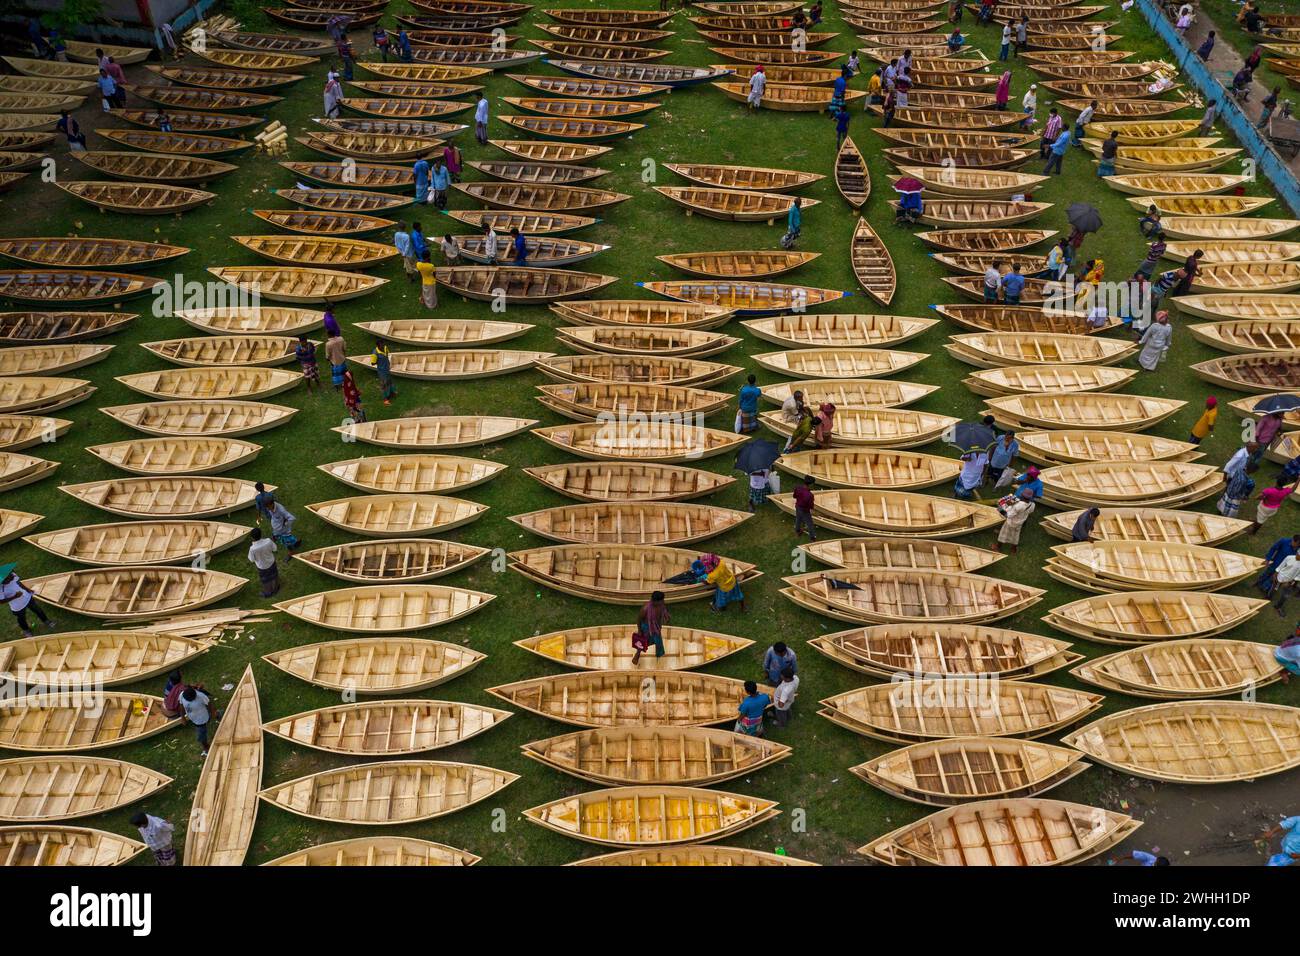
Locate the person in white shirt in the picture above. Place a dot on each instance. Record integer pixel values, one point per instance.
(20, 600)
(195, 705)
(491, 244)
(157, 835)
(1030, 105)
(852, 63)
(757, 85)
(992, 282)
(481, 119)
(1080, 124)
(786, 691)
(262, 554)
(1286, 582)
(793, 410)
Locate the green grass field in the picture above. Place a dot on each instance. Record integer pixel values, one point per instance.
(837, 812)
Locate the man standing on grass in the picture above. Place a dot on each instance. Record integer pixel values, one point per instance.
(196, 705)
(803, 508)
(1059, 147)
(1013, 283)
(481, 119)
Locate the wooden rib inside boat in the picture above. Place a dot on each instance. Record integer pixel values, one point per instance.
(225, 800)
(377, 665)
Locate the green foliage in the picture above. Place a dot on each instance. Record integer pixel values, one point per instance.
(73, 14)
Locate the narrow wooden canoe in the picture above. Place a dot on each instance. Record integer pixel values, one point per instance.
(31, 394)
(589, 89)
(1086, 410)
(998, 349)
(893, 428)
(620, 574)
(386, 728)
(78, 253)
(887, 596)
(1248, 335)
(870, 468)
(891, 651)
(298, 285)
(838, 330)
(1269, 276)
(1019, 831)
(385, 608)
(84, 52)
(50, 359)
(640, 440)
(417, 474)
(537, 173)
(634, 340)
(399, 515)
(692, 855)
(519, 285)
(900, 513)
(378, 146)
(140, 542)
(186, 144)
(738, 264)
(628, 481)
(202, 350)
(392, 560)
(780, 57)
(1175, 670)
(839, 362)
(753, 178)
(954, 139)
(388, 792)
(872, 264)
(225, 801)
(604, 647)
(528, 223)
(984, 240)
(660, 523)
(903, 553)
(972, 183)
(323, 221)
(1022, 379)
(1017, 318)
(1240, 305)
(14, 523)
(17, 470)
(975, 157)
(434, 431)
(1151, 524)
(680, 756)
(378, 851)
(53, 68)
(789, 99)
(580, 108)
(71, 285)
(323, 251)
(1202, 741)
(979, 212)
(144, 199)
(219, 79)
(212, 382)
(73, 721)
(1142, 617)
(1108, 482)
(425, 72)
(643, 312)
(576, 130)
(1124, 108)
(376, 665)
(1183, 184)
(354, 175)
(635, 369)
(134, 593)
(542, 198)
(444, 365)
(1153, 565)
(746, 297)
(1069, 446)
(539, 151)
(201, 418)
(1200, 205)
(23, 328)
(65, 845)
(92, 658)
(733, 205)
(198, 98)
(1226, 227)
(911, 711)
(1256, 372)
(946, 773)
(444, 333)
(655, 815)
(256, 60)
(19, 431)
(1234, 250)
(852, 178)
(586, 401)
(45, 789)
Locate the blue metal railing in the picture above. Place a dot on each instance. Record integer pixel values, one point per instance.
(1267, 162)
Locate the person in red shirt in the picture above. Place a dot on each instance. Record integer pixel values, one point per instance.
(803, 508)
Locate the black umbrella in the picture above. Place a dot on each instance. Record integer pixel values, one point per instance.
(968, 435)
(1278, 403)
(757, 455)
(1083, 217)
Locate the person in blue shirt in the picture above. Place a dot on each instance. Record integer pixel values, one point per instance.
(751, 711)
(747, 417)
(793, 224)
(1282, 549)
(422, 179)
(107, 89)
(403, 45)
(520, 246)
(1059, 147)
(1141, 858)
(841, 127)
(1030, 482)
(418, 244)
(1290, 830)
(1013, 283)
(440, 181)
(777, 660)
(955, 41)
(1002, 453)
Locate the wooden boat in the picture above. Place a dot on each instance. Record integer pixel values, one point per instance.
(77, 253)
(33, 394)
(1240, 305)
(218, 79)
(388, 792)
(55, 69)
(619, 574)
(299, 285)
(444, 332)
(573, 199)
(256, 60)
(1248, 335)
(887, 595)
(399, 515)
(386, 728)
(611, 698)
(378, 851)
(691, 855)
(960, 213)
(165, 497)
(997, 349)
(984, 240)
(870, 468)
(790, 99)
(1150, 565)
(381, 146)
(887, 512)
(320, 251)
(72, 285)
(434, 431)
(1084, 410)
(27, 123)
(1019, 831)
(531, 224)
(24, 141)
(752, 178)
(1203, 205)
(385, 608)
(21, 328)
(251, 350)
(14, 523)
(197, 98)
(590, 89)
(1193, 157)
(733, 205)
(1123, 108)
(780, 57)
(413, 474)
(628, 481)
(739, 264)
(140, 199)
(894, 651)
(44, 789)
(1067, 446)
(839, 362)
(643, 313)
(187, 144)
(901, 553)
(93, 658)
(884, 427)
(17, 470)
(1200, 741)
(746, 297)
(1151, 524)
(916, 710)
(477, 57)
(212, 382)
(414, 89)
(37, 103)
(604, 18)
(271, 42)
(830, 330)
(51, 359)
(1178, 670)
(309, 19)
(671, 523)
(425, 72)
(873, 266)
(323, 222)
(681, 756)
(782, 75)
(201, 418)
(438, 365)
(601, 647)
(1272, 276)
(65, 845)
(973, 183)
(852, 178)
(546, 174)
(978, 157)
(656, 815)
(579, 130)
(961, 770)
(70, 721)
(690, 343)
(550, 152)
(275, 321)
(640, 440)
(1117, 482)
(376, 665)
(1257, 372)
(225, 801)
(1018, 318)
(766, 39)
(354, 176)
(580, 108)
(20, 83)
(392, 560)
(1140, 617)
(134, 593)
(1234, 250)
(139, 542)
(586, 401)
(959, 119)
(519, 284)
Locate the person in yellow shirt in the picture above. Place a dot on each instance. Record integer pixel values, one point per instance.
(1204, 426)
(428, 282)
(873, 90)
(723, 579)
